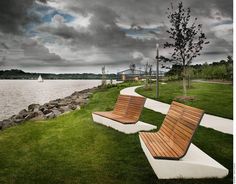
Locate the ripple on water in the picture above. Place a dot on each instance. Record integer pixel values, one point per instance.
(16, 95)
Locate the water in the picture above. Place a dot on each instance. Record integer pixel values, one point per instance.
(16, 95)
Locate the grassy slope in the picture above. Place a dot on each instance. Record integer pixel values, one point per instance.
(72, 149)
(216, 99)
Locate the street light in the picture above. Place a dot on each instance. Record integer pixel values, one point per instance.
(157, 72)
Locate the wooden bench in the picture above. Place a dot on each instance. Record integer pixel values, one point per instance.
(172, 142)
(174, 137)
(127, 111)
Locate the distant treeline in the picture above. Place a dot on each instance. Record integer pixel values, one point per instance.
(19, 74)
(222, 70)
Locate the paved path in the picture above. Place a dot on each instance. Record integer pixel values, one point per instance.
(220, 124)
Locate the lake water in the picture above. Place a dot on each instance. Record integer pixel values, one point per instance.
(16, 95)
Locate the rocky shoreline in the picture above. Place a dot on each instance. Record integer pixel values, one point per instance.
(49, 110)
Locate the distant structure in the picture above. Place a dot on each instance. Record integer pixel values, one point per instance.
(129, 74)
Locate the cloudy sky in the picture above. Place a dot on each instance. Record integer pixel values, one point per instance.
(83, 35)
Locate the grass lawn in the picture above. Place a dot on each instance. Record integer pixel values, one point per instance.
(73, 149)
(215, 99)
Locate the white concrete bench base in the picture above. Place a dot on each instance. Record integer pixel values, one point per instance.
(125, 128)
(195, 164)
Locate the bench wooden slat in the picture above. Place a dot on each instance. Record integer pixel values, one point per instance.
(127, 109)
(175, 135)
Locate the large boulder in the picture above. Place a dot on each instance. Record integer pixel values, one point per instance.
(31, 115)
(19, 118)
(33, 107)
(39, 116)
(22, 114)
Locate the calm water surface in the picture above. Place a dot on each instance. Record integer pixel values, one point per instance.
(16, 95)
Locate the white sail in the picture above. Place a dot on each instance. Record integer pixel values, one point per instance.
(40, 79)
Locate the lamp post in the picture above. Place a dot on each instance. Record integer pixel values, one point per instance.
(157, 72)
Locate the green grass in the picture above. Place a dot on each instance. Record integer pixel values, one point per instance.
(73, 149)
(215, 99)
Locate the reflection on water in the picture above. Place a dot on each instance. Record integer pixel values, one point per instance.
(18, 94)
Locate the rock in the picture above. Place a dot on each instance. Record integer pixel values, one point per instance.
(85, 96)
(56, 112)
(22, 114)
(18, 120)
(50, 106)
(61, 110)
(74, 97)
(54, 103)
(31, 115)
(39, 116)
(42, 108)
(1, 123)
(50, 115)
(72, 106)
(7, 123)
(33, 107)
(47, 111)
(65, 108)
(62, 103)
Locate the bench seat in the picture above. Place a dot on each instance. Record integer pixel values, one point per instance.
(116, 117)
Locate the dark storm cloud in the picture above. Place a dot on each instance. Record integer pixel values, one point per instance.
(149, 11)
(20, 51)
(204, 7)
(104, 41)
(102, 32)
(14, 15)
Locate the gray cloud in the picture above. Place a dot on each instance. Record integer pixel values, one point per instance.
(104, 41)
(20, 51)
(14, 15)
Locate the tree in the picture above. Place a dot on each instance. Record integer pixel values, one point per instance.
(148, 75)
(104, 80)
(186, 36)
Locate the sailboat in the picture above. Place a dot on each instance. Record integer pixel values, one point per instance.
(40, 79)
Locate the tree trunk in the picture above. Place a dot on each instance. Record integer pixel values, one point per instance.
(184, 82)
(189, 81)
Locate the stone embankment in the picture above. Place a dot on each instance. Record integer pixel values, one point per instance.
(49, 110)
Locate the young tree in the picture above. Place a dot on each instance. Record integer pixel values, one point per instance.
(104, 80)
(187, 38)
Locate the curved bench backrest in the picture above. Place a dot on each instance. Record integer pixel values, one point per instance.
(129, 106)
(180, 125)
(135, 107)
(121, 105)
